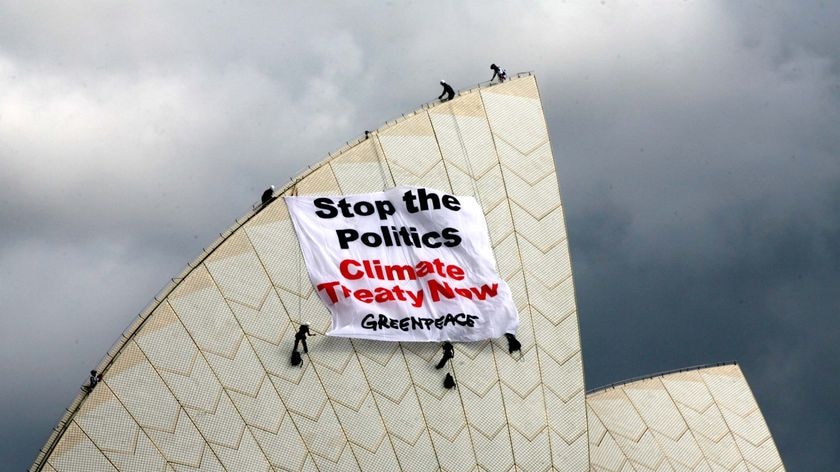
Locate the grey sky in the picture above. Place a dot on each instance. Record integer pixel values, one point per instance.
(696, 146)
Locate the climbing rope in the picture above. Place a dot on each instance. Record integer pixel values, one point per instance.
(381, 160)
(299, 275)
(470, 170)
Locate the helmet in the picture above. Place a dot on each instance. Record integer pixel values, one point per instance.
(442, 81)
(493, 66)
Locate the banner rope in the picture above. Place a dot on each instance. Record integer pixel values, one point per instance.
(383, 166)
(476, 193)
(298, 261)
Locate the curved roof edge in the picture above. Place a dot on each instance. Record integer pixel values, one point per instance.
(130, 331)
(658, 374)
(698, 418)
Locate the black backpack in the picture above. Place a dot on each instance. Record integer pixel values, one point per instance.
(513, 344)
(296, 359)
(448, 381)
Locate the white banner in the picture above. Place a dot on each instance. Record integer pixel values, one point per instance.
(406, 264)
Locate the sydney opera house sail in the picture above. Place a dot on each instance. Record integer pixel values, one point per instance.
(702, 419)
(203, 380)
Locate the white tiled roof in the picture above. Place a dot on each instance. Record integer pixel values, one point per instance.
(696, 420)
(202, 380)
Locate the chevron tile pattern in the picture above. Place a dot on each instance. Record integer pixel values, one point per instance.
(697, 420)
(205, 382)
(202, 380)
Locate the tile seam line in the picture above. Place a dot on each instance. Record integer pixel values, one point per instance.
(291, 324)
(376, 404)
(770, 436)
(527, 294)
(730, 431)
(688, 426)
(181, 408)
(451, 363)
(356, 352)
(218, 379)
(649, 430)
(571, 271)
(136, 422)
(617, 444)
(402, 353)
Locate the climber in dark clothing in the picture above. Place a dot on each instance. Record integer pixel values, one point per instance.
(498, 72)
(300, 338)
(447, 90)
(95, 377)
(267, 196)
(448, 353)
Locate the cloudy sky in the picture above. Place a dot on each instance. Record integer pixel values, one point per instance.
(697, 148)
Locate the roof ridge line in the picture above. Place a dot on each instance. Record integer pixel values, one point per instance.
(658, 374)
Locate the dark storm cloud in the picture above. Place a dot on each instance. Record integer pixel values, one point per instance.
(714, 235)
(695, 145)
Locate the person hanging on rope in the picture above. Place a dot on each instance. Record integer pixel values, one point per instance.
(300, 338)
(448, 353)
(498, 72)
(447, 90)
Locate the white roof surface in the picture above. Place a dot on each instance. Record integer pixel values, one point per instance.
(202, 380)
(695, 420)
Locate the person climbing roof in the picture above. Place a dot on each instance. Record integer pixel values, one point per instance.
(267, 196)
(447, 90)
(94, 379)
(498, 72)
(300, 338)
